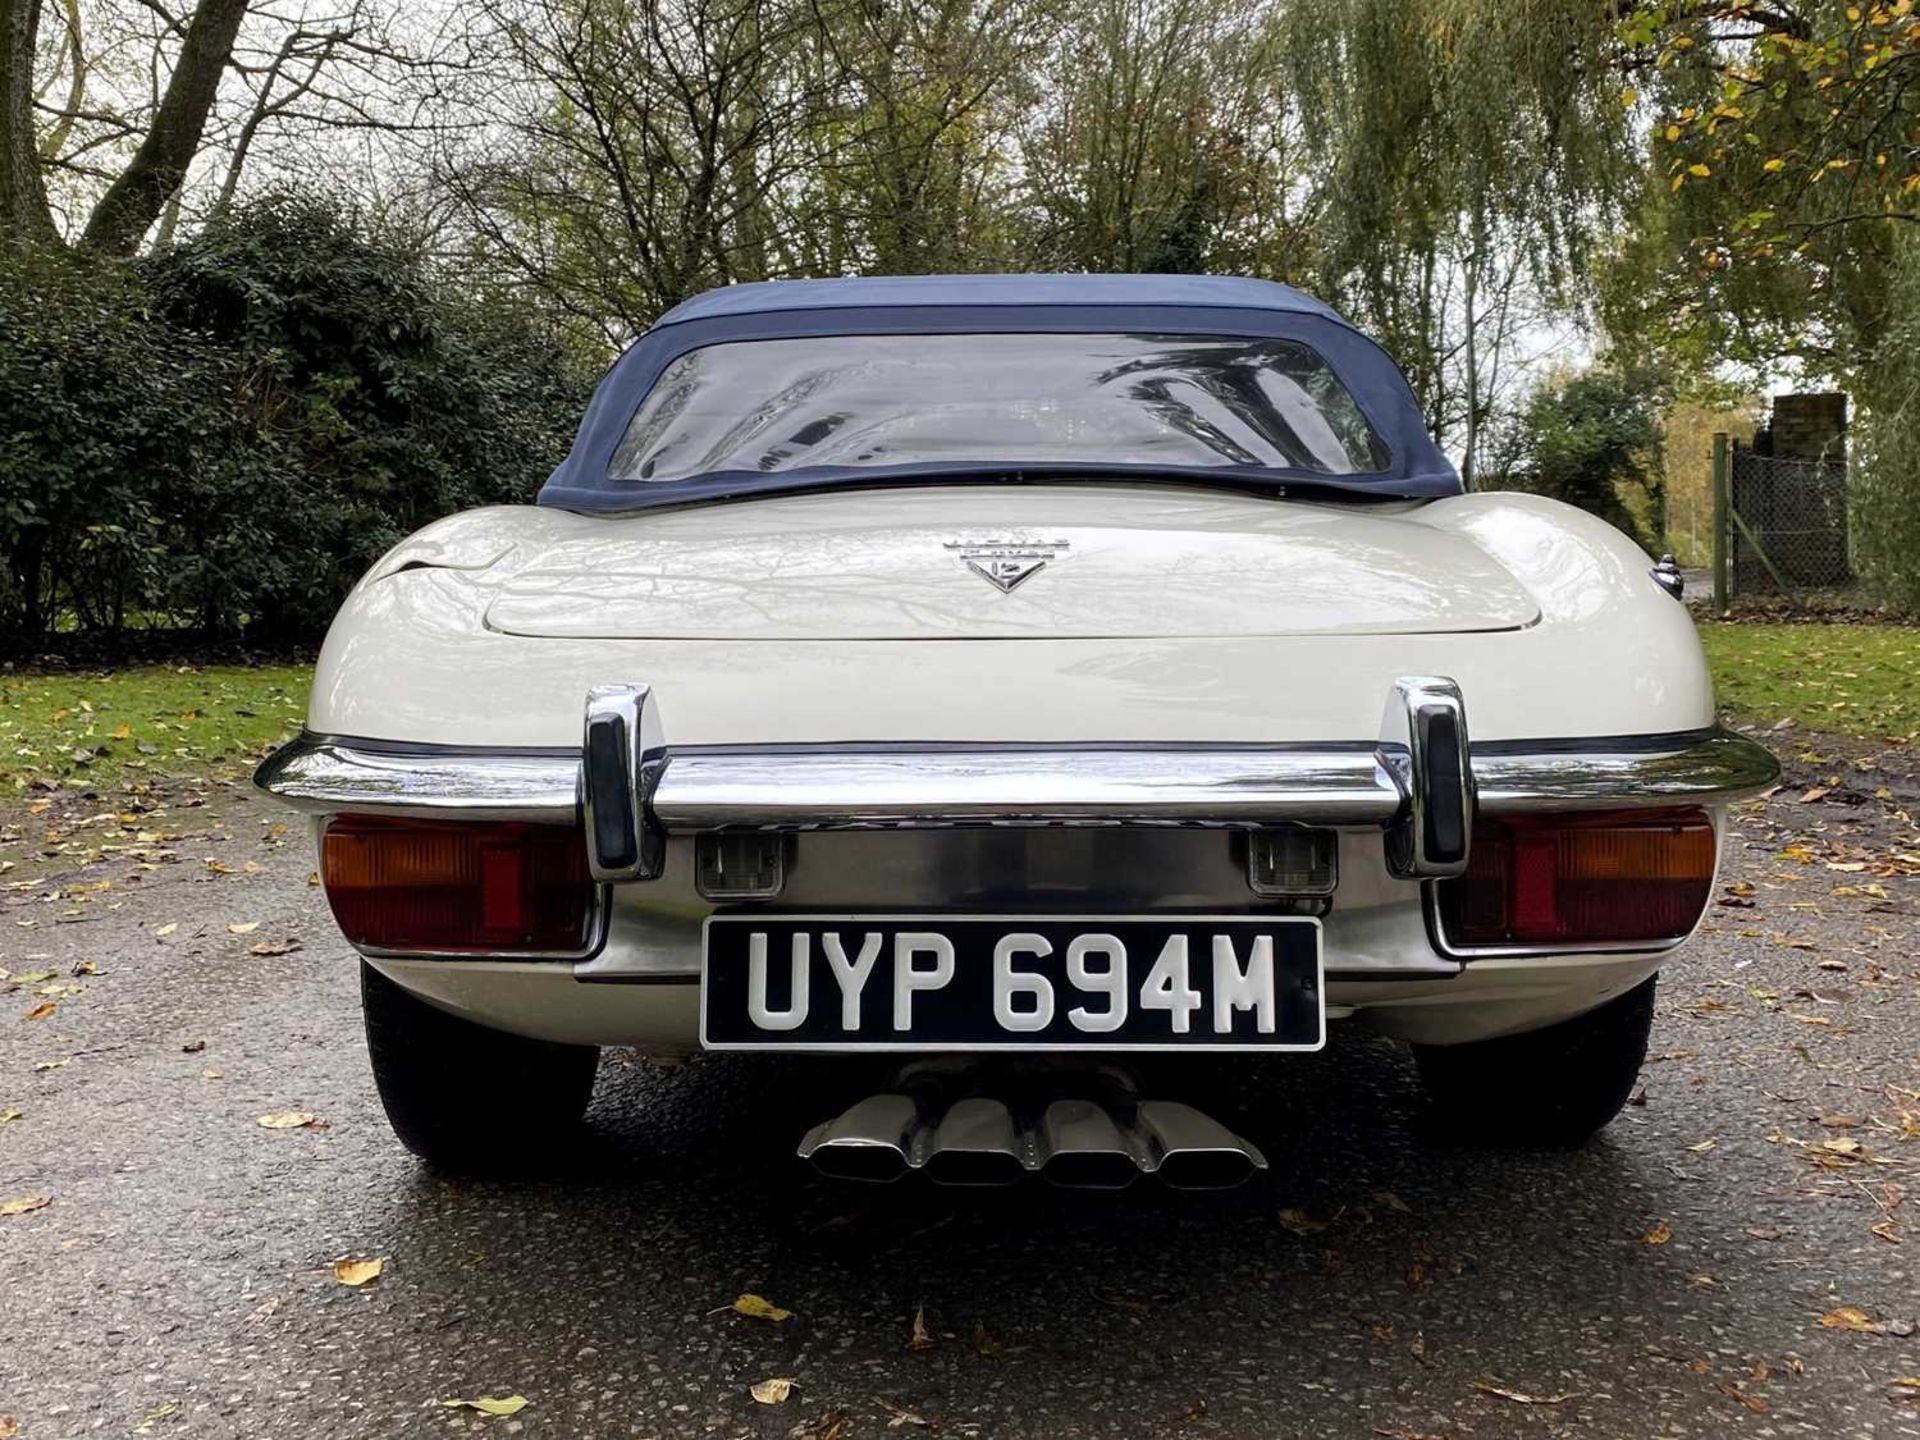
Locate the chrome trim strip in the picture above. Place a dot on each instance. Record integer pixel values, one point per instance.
(936, 786)
(323, 774)
(1092, 786)
(1713, 769)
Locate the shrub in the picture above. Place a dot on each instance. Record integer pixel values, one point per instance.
(1884, 504)
(227, 433)
(99, 404)
(1593, 439)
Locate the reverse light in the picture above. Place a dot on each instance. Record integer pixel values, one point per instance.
(458, 887)
(1603, 880)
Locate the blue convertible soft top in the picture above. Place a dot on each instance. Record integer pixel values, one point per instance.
(1189, 377)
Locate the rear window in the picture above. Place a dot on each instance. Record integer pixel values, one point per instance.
(1013, 399)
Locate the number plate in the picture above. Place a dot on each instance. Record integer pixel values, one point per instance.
(1012, 982)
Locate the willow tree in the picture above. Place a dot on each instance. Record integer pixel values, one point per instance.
(1162, 140)
(1470, 154)
(911, 168)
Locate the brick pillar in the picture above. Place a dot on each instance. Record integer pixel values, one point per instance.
(1810, 427)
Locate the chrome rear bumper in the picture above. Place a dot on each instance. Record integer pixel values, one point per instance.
(806, 787)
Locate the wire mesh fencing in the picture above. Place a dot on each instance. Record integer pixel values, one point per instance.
(1787, 527)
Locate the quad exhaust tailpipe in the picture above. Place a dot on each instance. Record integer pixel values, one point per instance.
(1079, 1144)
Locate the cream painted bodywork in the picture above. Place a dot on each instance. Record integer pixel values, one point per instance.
(1168, 614)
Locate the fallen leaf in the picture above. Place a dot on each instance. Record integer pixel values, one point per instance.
(1818, 792)
(1703, 1147)
(273, 947)
(42, 1010)
(10, 1427)
(243, 927)
(1756, 1403)
(1392, 1201)
(920, 1339)
(165, 1410)
(772, 1392)
(285, 1120)
(9, 1115)
(357, 1272)
(52, 1064)
(487, 1405)
(758, 1307)
(1851, 1317)
(23, 1204)
(1520, 1397)
(162, 931)
(984, 1341)
(902, 1417)
(1298, 1221)
(1660, 1234)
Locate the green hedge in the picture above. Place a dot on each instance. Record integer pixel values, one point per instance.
(222, 436)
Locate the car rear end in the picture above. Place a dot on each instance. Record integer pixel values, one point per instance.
(1031, 850)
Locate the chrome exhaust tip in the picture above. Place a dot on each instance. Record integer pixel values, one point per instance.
(975, 1143)
(1193, 1151)
(1076, 1144)
(1083, 1148)
(870, 1142)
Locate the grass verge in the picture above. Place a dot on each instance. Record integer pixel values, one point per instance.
(1849, 679)
(103, 727)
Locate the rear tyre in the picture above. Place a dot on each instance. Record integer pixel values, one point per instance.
(466, 1098)
(1552, 1087)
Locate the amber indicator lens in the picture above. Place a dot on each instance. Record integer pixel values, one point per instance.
(1590, 879)
(441, 886)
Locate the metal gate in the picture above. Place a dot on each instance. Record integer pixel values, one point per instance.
(1786, 522)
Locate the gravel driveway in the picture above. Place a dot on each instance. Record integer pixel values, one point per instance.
(1734, 1256)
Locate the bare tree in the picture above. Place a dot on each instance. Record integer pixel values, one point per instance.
(134, 200)
(23, 192)
(129, 113)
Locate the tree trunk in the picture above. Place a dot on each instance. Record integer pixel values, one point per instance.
(134, 201)
(23, 195)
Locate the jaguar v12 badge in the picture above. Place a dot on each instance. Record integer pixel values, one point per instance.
(1006, 564)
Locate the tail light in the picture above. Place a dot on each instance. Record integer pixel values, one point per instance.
(458, 887)
(1604, 880)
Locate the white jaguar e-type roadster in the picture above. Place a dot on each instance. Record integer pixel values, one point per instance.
(1012, 674)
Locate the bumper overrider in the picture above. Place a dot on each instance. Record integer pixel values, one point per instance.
(1421, 786)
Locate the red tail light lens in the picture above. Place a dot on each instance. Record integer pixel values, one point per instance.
(1606, 879)
(453, 886)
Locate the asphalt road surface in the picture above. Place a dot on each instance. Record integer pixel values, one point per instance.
(1735, 1256)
